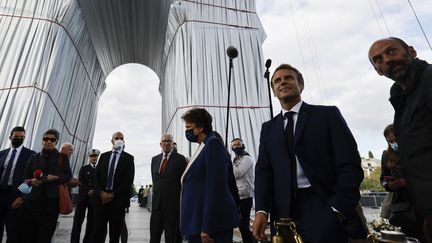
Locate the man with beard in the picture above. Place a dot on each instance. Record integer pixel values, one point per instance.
(13, 162)
(411, 98)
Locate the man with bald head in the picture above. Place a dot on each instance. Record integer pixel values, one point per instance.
(411, 97)
(113, 179)
(167, 169)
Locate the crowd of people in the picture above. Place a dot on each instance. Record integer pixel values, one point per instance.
(308, 170)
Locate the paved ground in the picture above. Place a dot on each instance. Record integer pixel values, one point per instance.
(137, 221)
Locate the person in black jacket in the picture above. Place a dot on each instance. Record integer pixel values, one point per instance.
(411, 98)
(167, 169)
(112, 182)
(85, 192)
(13, 162)
(46, 170)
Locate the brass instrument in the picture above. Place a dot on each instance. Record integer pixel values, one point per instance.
(286, 231)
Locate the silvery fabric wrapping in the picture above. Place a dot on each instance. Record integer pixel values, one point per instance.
(196, 69)
(50, 76)
(56, 54)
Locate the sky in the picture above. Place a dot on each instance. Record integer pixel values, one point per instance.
(327, 41)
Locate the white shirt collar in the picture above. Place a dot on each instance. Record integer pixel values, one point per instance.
(17, 149)
(295, 108)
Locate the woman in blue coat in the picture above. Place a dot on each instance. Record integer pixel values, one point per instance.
(208, 209)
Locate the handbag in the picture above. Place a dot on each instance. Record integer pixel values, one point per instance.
(65, 200)
(402, 214)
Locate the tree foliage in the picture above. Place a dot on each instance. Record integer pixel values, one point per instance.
(372, 182)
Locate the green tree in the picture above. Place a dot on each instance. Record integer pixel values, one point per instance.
(372, 182)
(371, 155)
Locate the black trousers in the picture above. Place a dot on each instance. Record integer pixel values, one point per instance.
(245, 209)
(11, 218)
(164, 220)
(105, 214)
(79, 216)
(41, 219)
(316, 221)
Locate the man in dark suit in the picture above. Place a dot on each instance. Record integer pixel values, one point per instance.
(13, 162)
(308, 167)
(85, 192)
(167, 169)
(112, 182)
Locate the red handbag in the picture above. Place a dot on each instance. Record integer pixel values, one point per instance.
(65, 200)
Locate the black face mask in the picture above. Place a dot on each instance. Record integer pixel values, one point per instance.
(16, 142)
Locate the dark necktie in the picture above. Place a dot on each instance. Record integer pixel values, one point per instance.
(289, 134)
(8, 169)
(164, 164)
(109, 184)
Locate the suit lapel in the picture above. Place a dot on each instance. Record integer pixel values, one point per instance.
(301, 120)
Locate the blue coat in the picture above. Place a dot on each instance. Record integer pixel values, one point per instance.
(207, 204)
(327, 152)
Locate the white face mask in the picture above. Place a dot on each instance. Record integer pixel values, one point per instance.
(394, 146)
(118, 144)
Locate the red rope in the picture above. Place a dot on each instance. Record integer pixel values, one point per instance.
(55, 106)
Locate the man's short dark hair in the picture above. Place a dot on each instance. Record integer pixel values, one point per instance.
(300, 79)
(52, 132)
(200, 117)
(17, 129)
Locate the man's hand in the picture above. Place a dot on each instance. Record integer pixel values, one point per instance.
(259, 226)
(205, 238)
(90, 193)
(106, 197)
(17, 203)
(74, 182)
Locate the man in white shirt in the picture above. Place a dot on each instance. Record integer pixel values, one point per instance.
(308, 167)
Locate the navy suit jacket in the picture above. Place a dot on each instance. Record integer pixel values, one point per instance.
(207, 204)
(20, 166)
(167, 187)
(123, 179)
(327, 152)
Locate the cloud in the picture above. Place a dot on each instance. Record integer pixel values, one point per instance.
(328, 42)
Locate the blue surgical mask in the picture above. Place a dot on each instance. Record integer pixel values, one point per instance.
(238, 150)
(191, 136)
(394, 146)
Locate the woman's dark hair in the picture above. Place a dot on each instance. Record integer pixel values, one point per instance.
(392, 159)
(200, 117)
(52, 132)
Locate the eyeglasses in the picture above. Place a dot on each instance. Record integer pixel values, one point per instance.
(166, 141)
(46, 139)
(118, 138)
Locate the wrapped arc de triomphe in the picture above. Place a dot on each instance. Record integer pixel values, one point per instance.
(56, 54)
